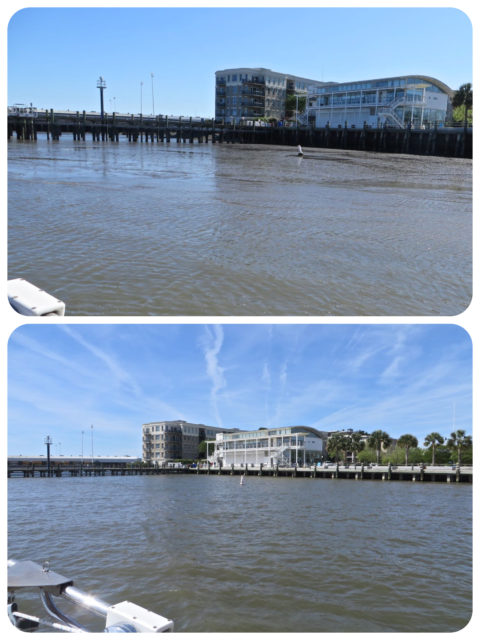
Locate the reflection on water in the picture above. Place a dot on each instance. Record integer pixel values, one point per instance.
(195, 229)
(277, 554)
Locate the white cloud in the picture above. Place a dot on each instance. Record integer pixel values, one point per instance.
(283, 374)
(266, 377)
(392, 370)
(212, 344)
(115, 369)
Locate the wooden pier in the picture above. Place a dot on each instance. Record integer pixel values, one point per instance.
(412, 473)
(442, 141)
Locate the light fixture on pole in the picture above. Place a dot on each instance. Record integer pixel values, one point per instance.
(48, 441)
(153, 101)
(101, 84)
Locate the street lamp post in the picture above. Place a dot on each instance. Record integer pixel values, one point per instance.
(48, 441)
(141, 98)
(153, 101)
(297, 96)
(101, 84)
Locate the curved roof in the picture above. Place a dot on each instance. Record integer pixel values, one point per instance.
(310, 430)
(438, 83)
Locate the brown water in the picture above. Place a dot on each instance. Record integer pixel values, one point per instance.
(277, 554)
(192, 229)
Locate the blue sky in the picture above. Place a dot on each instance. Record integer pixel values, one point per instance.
(55, 55)
(64, 378)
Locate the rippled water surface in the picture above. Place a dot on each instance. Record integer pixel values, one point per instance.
(277, 554)
(196, 229)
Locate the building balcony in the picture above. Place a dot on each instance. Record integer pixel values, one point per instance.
(252, 113)
(253, 92)
(256, 81)
(252, 103)
(370, 101)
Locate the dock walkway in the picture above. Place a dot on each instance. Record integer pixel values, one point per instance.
(412, 473)
(436, 141)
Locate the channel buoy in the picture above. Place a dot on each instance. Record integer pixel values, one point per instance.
(299, 151)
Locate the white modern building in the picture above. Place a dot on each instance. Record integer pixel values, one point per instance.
(298, 445)
(403, 101)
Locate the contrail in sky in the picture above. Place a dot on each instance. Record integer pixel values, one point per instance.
(212, 345)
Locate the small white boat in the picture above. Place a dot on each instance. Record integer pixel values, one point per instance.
(299, 150)
(242, 480)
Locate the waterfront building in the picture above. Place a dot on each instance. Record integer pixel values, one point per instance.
(288, 446)
(402, 101)
(174, 440)
(252, 93)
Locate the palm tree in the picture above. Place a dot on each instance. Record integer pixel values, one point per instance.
(458, 440)
(378, 440)
(356, 444)
(335, 444)
(464, 98)
(407, 442)
(431, 442)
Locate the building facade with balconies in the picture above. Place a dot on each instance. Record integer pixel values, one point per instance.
(403, 101)
(244, 94)
(174, 440)
(298, 445)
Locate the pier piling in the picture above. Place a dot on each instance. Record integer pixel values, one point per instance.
(454, 142)
(448, 474)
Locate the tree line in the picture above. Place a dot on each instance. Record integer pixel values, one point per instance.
(462, 103)
(378, 447)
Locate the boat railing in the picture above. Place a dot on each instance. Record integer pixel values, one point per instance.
(124, 617)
